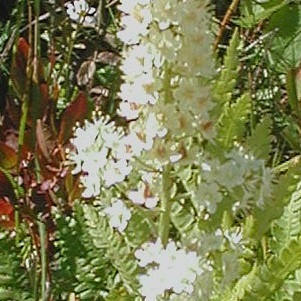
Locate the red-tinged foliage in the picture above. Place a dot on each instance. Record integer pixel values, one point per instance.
(5, 207)
(19, 66)
(28, 78)
(7, 198)
(40, 160)
(8, 156)
(22, 54)
(77, 111)
(7, 215)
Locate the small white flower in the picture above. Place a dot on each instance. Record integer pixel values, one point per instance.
(116, 172)
(101, 154)
(91, 184)
(141, 197)
(133, 30)
(119, 215)
(233, 237)
(170, 268)
(80, 11)
(129, 110)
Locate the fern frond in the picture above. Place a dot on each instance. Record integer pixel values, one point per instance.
(232, 123)
(136, 236)
(183, 217)
(14, 279)
(281, 195)
(116, 247)
(266, 279)
(290, 289)
(289, 224)
(68, 249)
(225, 84)
(259, 142)
(271, 275)
(79, 266)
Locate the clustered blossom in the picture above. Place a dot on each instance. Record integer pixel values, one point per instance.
(102, 155)
(118, 214)
(238, 171)
(169, 268)
(166, 67)
(81, 12)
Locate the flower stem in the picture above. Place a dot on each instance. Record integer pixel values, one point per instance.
(165, 205)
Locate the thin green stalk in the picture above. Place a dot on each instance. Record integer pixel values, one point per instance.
(20, 13)
(25, 95)
(164, 224)
(22, 127)
(17, 225)
(43, 242)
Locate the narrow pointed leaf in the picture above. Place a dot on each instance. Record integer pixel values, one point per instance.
(77, 111)
(8, 156)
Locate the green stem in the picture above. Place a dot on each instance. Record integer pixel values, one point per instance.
(164, 224)
(42, 232)
(22, 125)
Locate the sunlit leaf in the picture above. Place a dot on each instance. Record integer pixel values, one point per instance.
(8, 156)
(77, 111)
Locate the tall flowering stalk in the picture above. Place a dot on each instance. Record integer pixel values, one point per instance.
(167, 65)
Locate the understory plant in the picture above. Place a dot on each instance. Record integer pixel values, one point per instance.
(171, 193)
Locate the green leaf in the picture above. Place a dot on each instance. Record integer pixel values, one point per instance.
(232, 123)
(259, 142)
(224, 86)
(289, 225)
(77, 111)
(286, 47)
(252, 13)
(8, 156)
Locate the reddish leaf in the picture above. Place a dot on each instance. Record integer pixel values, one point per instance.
(8, 222)
(76, 111)
(8, 156)
(22, 54)
(7, 216)
(5, 207)
(19, 64)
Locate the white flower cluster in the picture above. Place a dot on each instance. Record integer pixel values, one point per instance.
(118, 214)
(81, 12)
(168, 268)
(238, 170)
(102, 154)
(166, 67)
